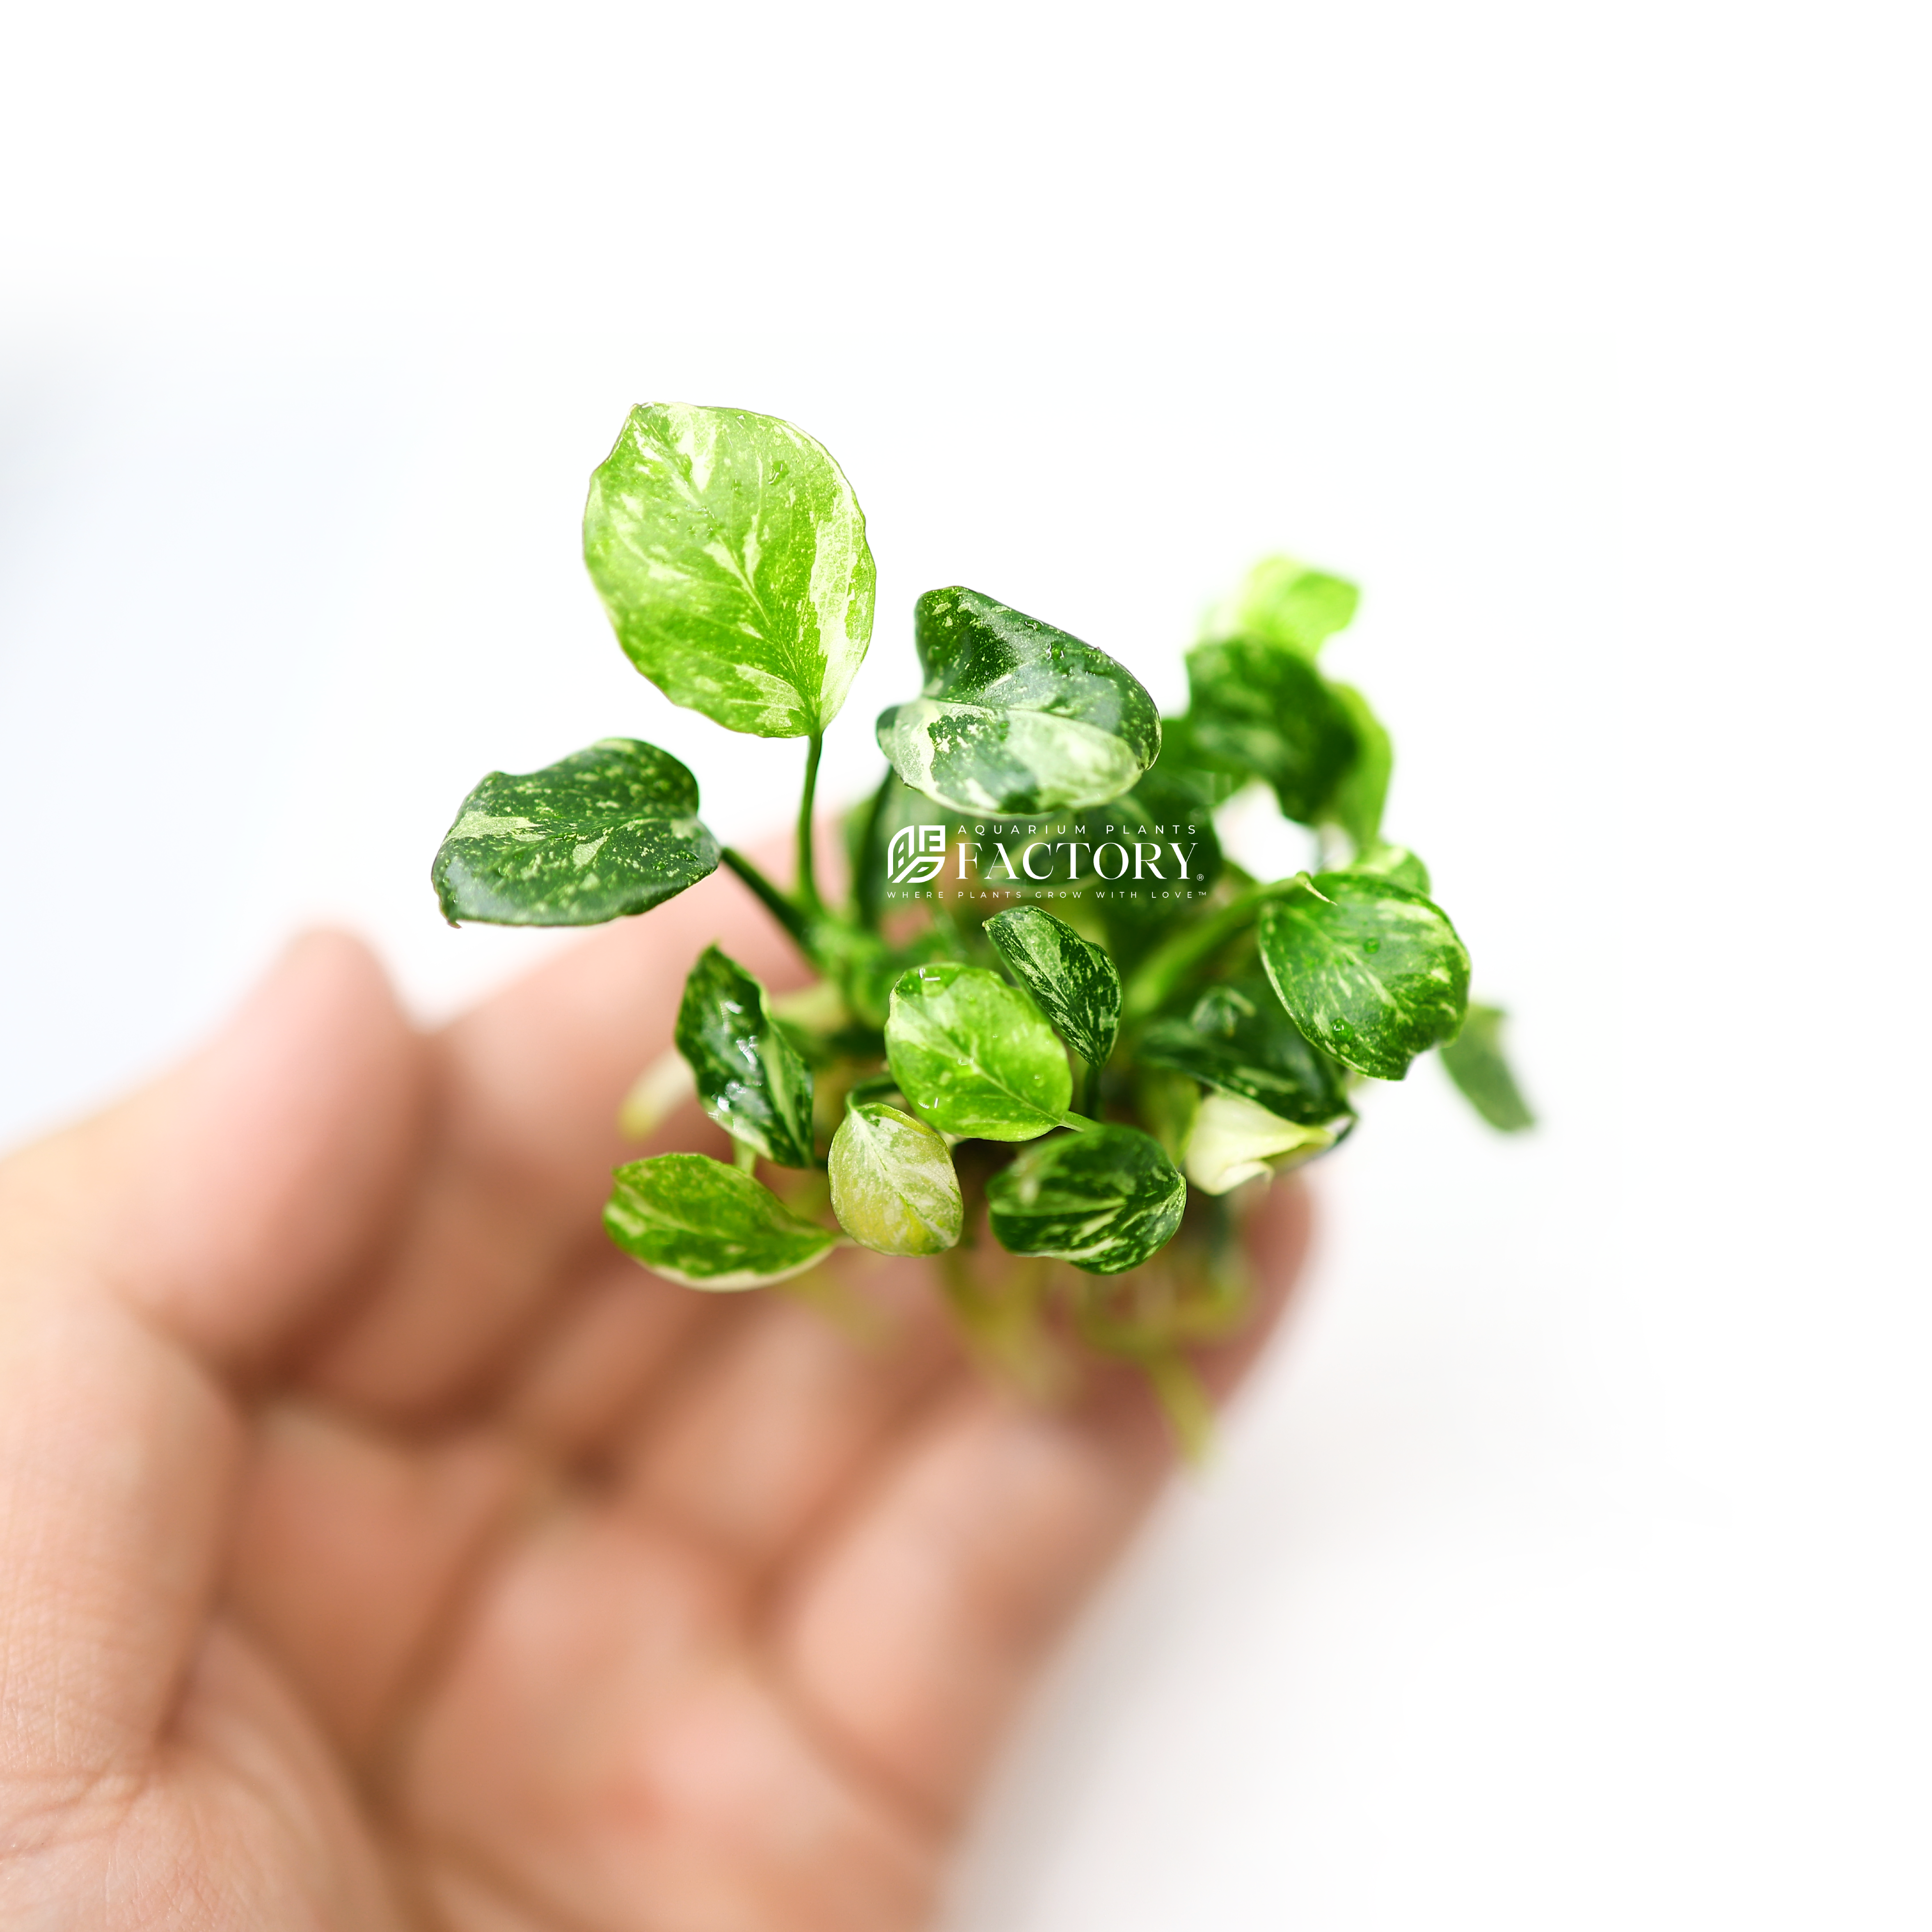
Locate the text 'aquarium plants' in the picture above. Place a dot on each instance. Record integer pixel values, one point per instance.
(1056, 1031)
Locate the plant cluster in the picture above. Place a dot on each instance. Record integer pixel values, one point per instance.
(920, 1095)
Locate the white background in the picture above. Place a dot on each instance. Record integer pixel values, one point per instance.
(1566, 1566)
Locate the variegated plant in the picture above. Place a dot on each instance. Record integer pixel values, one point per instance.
(1220, 1023)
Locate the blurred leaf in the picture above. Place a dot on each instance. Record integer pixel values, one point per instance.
(1284, 602)
(1356, 803)
(1238, 1040)
(1233, 1140)
(893, 1187)
(1371, 974)
(1395, 863)
(1259, 709)
(973, 1056)
(750, 1079)
(730, 553)
(1104, 1199)
(1073, 981)
(1475, 1062)
(1016, 716)
(697, 1222)
(603, 832)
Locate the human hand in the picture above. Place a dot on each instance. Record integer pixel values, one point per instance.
(379, 1548)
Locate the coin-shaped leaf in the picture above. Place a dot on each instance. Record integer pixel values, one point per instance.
(893, 1187)
(1073, 981)
(1105, 1199)
(1475, 1062)
(1285, 602)
(1264, 710)
(1236, 1039)
(1372, 974)
(697, 1222)
(750, 1079)
(1232, 1140)
(973, 1056)
(1016, 716)
(730, 553)
(610, 830)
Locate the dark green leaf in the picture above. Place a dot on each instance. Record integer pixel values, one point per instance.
(973, 1056)
(1475, 1062)
(750, 1079)
(1238, 1040)
(893, 1187)
(1395, 863)
(871, 831)
(605, 831)
(1370, 973)
(1259, 709)
(1016, 716)
(731, 555)
(1104, 1199)
(695, 1221)
(1286, 603)
(1356, 803)
(1073, 981)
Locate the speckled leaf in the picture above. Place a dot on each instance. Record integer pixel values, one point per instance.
(1016, 716)
(893, 1187)
(697, 1222)
(750, 1079)
(731, 555)
(1105, 1199)
(1356, 803)
(605, 831)
(1262, 710)
(1238, 1040)
(1284, 602)
(1370, 973)
(1475, 1062)
(1073, 981)
(1233, 1140)
(1395, 863)
(973, 1056)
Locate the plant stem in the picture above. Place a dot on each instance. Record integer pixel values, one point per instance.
(796, 924)
(1090, 1091)
(1169, 965)
(808, 880)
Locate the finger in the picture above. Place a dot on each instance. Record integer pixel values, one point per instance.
(526, 1093)
(350, 1553)
(233, 1198)
(763, 1432)
(911, 1637)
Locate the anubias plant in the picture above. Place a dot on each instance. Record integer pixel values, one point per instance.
(919, 1096)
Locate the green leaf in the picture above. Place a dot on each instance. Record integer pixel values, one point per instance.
(1475, 1062)
(750, 1078)
(697, 1222)
(605, 831)
(1073, 981)
(1104, 1199)
(1257, 708)
(1356, 803)
(730, 553)
(1286, 603)
(1238, 1040)
(1395, 863)
(1233, 1140)
(893, 1187)
(1016, 716)
(1370, 973)
(973, 1056)
(870, 829)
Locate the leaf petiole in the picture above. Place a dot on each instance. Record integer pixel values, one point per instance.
(808, 877)
(797, 926)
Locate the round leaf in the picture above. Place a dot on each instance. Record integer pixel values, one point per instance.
(1285, 602)
(701, 1224)
(603, 832)
(1104, 1200)
(730, 553)
(1372, 974)
(1016, 716)
(750, 1078)
(893, 1187)
(1073, 980)
(1236, 1039)
(973, 1056)
(1258, 708)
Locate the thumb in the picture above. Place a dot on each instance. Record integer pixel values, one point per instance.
(229, 1198)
